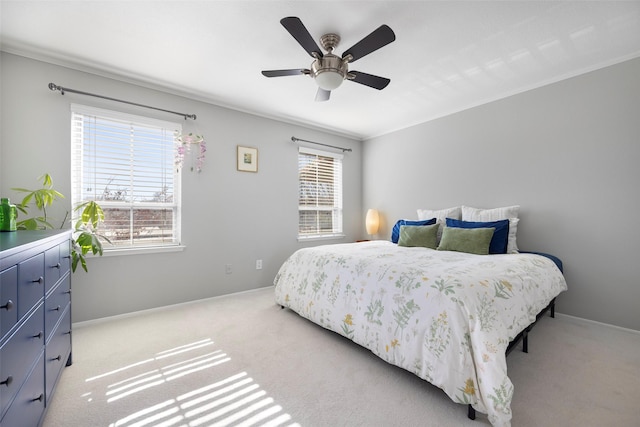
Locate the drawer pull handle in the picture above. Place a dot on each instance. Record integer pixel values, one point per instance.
(56, 309)
(8, 381)
(57, 358)
(68, 292)
(38, 335)
(39, 398)
(58, 266)
(39, 280)
(8, 306)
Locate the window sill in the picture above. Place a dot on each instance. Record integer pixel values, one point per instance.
(142, 251)
(314, 238)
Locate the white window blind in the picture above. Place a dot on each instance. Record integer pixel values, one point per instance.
(320, 193)
(126, 164)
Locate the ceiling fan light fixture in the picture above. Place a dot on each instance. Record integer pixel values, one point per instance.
(329, 71)
(329, 79)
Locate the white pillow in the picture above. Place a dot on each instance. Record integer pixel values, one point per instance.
(440, 216)
(497, 214)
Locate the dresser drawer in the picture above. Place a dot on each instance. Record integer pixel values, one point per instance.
(55, 304)
(18, 354)
(8, 299)
(57, 352)
(30, 283)
(65, 257)
(52, 267)
(28, 407)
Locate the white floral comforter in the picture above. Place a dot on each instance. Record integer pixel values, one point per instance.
(445, 316)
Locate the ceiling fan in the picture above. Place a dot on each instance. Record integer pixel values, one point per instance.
(329, 70)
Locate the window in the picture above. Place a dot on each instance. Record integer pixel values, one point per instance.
(320, 194)
(126, 164)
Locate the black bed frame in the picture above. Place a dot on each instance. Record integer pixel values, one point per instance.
(524, 337)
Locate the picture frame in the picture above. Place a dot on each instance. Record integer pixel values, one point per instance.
(247, 160)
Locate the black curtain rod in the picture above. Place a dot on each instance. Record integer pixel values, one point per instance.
(294, 139)
(62, 90)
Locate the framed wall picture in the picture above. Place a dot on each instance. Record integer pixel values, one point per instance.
(247, 159)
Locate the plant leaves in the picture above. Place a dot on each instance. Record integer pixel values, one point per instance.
(47, 181)
(44, 222)
(91, 217)
(27, 224)
(92, 214)
(77, 257)
(27, 198)
(89, 242)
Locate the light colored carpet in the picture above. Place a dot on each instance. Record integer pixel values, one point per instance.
(241, 360)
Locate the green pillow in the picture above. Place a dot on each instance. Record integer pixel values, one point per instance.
(470, 240)
(419, 235)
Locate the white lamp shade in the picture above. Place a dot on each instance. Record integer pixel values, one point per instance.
(329, 80)
(372, 221)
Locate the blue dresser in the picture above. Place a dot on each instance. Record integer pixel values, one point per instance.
(35, 322)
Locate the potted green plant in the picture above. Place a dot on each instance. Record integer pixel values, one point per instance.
(85, 233)
(42, 198)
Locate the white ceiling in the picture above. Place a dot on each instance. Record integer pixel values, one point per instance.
(448, 55)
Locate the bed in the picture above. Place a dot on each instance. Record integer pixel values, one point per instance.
(446, 316)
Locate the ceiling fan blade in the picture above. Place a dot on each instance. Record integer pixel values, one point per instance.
(280, 73)
(299, 32)
(322, 95)
(370, 80)
(381, 36)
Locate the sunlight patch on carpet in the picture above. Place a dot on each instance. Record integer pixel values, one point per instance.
(235, 399)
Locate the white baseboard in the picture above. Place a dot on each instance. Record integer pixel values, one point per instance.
(593, 322)
(78, 325)
(85, 323)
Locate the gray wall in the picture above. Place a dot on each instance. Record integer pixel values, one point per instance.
(568, 153)
(229, 217)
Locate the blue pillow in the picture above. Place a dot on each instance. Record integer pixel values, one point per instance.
(500, 237)
(395, 233)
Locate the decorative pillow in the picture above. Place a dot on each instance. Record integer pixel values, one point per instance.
(440, 216)
(470, 240)
(424, 236)
(395, 232)
(512, 244)
(498, 243)
(495, 214)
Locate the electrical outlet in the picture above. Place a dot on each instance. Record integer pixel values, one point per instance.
(227, 268)
(259, 264)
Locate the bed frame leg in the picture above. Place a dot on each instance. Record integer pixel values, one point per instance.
(471, 413)
(553, 308)
(525, 341)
